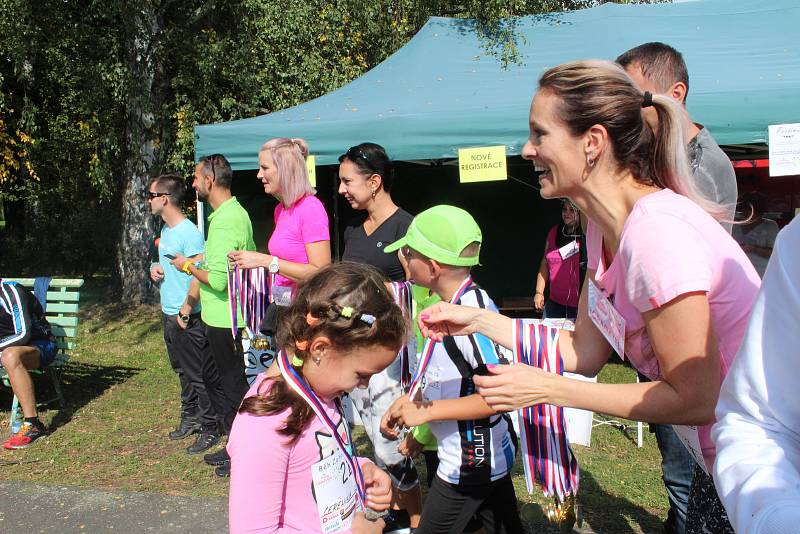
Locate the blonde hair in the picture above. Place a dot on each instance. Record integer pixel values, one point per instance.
(599, 92)
(289, 156)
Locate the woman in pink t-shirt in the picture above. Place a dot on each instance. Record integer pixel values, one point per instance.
(664, 279)
(300, 243)
(293, 463)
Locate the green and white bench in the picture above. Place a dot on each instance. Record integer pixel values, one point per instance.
(63, 297)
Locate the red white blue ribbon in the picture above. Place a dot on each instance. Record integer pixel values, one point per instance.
(405, 300)
(299, 385)
(249, 291)
(546, 454)
(427, 351)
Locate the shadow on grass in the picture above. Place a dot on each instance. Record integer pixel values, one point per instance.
(103, 315)
(611, 513)
(602, 512)
(81, 383)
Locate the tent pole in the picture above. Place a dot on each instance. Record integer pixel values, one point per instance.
(336, 255)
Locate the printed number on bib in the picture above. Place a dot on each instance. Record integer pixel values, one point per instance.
(607, 319)
(336, 493)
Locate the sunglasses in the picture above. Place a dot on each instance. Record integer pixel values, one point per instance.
(150, 195)
(354, 153)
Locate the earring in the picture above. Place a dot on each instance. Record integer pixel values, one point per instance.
(317, 360)
(590, 161)
(374, 192)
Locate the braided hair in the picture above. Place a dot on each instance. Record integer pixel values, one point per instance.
(349, 304)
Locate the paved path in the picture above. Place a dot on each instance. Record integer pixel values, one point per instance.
(27, 508)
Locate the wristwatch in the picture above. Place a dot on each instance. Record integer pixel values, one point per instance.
(273, 265)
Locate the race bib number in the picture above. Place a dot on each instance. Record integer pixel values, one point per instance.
(336, 492)
(691, 440)
(569, 250)
(607, 319)
(431, 384)
(282, 295)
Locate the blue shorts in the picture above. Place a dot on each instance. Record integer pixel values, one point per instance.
(47, 351)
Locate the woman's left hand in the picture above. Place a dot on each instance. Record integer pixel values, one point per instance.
(510, 387)
(379, 487)
(249, 259)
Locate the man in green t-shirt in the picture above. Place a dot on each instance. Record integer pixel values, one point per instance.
(229, 229)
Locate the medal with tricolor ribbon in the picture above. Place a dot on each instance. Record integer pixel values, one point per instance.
(299, 385)
(404, 299)
(546, 454)
(427, 351)
(249, 291)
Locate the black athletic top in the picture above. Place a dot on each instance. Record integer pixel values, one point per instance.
(21, 317)
(362, 248)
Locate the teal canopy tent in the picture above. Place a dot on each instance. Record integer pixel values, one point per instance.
(444, 90)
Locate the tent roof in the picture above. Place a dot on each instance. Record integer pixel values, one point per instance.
(443, 90)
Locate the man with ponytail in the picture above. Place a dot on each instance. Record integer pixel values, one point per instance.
(659, 68)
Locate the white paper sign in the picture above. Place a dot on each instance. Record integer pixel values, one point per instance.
(336, 492)
(579, 422)
(784, 149)
(607, 319)
(691, 440)
(569, 250)
(282, 295)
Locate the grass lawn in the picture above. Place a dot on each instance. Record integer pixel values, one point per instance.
(123, 398)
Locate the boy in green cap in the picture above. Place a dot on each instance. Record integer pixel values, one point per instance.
(476, 452)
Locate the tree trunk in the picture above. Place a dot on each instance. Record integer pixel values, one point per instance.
(137, 229)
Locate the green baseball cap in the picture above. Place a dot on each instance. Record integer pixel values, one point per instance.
(441, 233)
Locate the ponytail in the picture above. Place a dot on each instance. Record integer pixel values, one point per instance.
(670, 161)
(601, 92)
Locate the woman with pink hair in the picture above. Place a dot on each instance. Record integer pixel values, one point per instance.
(300, 245)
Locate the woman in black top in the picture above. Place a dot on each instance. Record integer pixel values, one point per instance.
(365, 180)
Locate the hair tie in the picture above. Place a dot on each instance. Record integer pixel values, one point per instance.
(311, 320)
(297, 361)
(301, 344)
(648, 99)
(367, 318)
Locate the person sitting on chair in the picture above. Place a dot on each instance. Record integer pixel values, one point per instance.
(26, 342)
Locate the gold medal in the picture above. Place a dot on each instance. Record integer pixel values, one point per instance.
(562, 514)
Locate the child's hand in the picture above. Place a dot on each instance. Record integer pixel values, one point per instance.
(407, 414)
(379, 487)
(362, 525)
(410, 446)
(390, 431)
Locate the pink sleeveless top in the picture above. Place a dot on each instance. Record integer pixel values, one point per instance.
(565, 274)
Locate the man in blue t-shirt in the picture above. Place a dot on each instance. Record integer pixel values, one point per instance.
(187, 346)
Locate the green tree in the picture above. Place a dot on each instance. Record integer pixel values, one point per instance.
(96, 97)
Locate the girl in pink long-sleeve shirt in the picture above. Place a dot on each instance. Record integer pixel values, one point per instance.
(342, 328)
